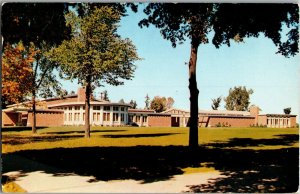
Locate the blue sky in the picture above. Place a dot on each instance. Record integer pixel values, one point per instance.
(163, 72)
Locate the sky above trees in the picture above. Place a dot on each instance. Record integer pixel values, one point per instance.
(164, 72)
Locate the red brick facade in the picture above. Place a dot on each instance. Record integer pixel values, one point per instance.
(11, 118)
(46, 119)
(159, 121)
(231, 121)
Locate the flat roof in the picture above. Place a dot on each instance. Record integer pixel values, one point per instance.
(278, 115)
(92, 103)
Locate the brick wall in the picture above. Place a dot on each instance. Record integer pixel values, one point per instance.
(159, 121)
(293, 121)
(46, 119)
(231, 121)
(262, 120)
(10, 119)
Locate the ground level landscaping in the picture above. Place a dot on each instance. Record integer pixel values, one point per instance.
(248, 159)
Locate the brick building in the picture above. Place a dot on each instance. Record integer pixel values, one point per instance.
(70, 110)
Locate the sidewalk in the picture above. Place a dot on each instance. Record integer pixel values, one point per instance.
(39, 181)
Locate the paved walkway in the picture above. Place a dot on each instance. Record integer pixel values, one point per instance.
(39, 181)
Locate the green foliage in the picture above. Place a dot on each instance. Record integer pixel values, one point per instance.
(133, 104)
(147, 101)
(34, 22)
(216, 103)
(158, 104)
(105, 95)
(287, 111)
(229, 22)
(95, 51)
(238, 99)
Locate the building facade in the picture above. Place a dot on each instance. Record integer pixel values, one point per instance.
(70, 111)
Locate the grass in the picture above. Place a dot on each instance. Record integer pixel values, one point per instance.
(252, 159)
(12, 187)
(71, 137)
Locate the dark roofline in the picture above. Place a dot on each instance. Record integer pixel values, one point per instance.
(232, 116)
(278, 115)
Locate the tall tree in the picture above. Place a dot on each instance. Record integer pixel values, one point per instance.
(105, 95)
(229, 22)
(287, 111)
(147, 102)
(133, 104)
(95, 53)
(16, 71)
(216, 103)
(43, 81)
(238, 99)
(158, 104)
(170, 102)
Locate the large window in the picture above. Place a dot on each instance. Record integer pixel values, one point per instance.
(106, 107)
(122, 108)
(106, 116)
(77, 107)
(122, 117)
(70, 116)
(144, 119)
(115, 116)
(96, 107)
(116, 108)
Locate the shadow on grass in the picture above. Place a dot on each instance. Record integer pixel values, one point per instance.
(246, 170)
(82, 131)
(139, 135)
(17, 140)
(18, 129)
(280, 140)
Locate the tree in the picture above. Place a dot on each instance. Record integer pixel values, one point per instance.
(287, 111)
(43, 82)
(147, 101)
(216, 103)
(95, 53)
(105, 95)
(229, 22)
(158, 104)
(133, 104)
(16, 71)
(170, 102)
(238, 99)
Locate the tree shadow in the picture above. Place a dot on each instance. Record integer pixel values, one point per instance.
(246, 170)
(138, 135)
(280, 140)
(18, 129)
(82, 132)
(17, 140)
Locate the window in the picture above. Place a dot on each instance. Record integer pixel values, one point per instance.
(106, 107)
(96, 107)
(137, 118)
(77, 107)
(144, 119)
(76, 117)
(116, 108)
(122, 108)
(94, 116)
(115, 116)
(122, 117)
(70, 116)
(106, 116)
(70, 107)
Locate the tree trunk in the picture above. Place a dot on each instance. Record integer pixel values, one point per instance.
(33, 113)
(87, 109)
(194, 92)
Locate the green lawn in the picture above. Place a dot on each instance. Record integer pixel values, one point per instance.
(252, 159)
(69, 137)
